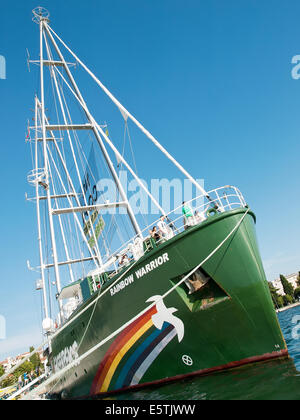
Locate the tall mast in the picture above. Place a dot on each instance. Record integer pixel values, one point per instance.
(41, 18)
(42, 268)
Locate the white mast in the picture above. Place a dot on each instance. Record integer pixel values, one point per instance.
(42, 268)
(40, 17)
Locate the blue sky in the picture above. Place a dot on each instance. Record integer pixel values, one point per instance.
(210, 79)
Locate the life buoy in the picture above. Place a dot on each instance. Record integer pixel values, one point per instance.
(211, 212)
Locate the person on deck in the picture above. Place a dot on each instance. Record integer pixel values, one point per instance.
(200, 217)
(26, 380)
(162, 227)
(155, 234)
(171, 225)
(124, 260)
(188, 216)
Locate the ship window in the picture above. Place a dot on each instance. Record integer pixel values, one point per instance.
(199, 291)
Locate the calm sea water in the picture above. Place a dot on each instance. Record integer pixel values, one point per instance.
(274, 380)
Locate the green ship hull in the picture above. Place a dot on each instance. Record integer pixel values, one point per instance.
(229, 321)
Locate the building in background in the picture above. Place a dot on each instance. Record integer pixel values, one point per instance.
(10, 362)
(291, 278)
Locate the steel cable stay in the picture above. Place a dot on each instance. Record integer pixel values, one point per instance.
(75, 216)
(72, 187)
(76, 137)
(61, 103)
(81, 162)
(53, 186)
(56, 203)
(85, 164)
(66, 251)
(67, 111)
(125, 113)
(115, 150)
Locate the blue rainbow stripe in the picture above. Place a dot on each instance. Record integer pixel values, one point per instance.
(140, 354)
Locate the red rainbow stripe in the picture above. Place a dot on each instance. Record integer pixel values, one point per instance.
(115, 347)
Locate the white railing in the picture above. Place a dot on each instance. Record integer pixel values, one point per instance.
(220, 200)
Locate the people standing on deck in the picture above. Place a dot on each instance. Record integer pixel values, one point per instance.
(188, 217)
(25, 377)
(155, 234)
(165, 231)
(37, 371)
(20, 382)
(162, 227)
(171, 225)
(200, 217)
(124, 260)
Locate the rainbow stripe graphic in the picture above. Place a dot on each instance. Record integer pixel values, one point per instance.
(141, 342)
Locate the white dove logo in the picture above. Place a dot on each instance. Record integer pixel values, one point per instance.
(165, 314)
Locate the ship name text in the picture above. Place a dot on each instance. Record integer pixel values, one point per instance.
(152, 265)
(140, 273)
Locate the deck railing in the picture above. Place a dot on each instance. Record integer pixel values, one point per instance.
(219, 200)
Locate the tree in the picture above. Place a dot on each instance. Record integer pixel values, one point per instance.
(287, 287)
(35, 359)
(2, 371)
(274, 295)
(298, 279)
(280, 301)
(287, 299)
(277, 299)
(297, 293)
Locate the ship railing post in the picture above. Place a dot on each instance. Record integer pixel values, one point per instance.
(220, 202)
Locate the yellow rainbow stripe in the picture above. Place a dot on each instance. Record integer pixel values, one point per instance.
(122, 353)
